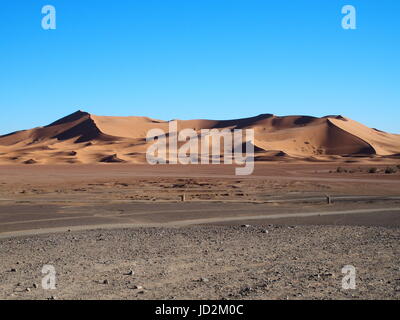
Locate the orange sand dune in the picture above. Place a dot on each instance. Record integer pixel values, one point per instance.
(85, 138)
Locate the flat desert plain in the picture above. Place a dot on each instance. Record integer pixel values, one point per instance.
(136, 231)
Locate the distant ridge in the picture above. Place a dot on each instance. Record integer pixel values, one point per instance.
(85, 138)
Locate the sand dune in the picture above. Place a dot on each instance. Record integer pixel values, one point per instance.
(85, 138)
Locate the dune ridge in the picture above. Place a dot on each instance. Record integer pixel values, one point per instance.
(85, 138)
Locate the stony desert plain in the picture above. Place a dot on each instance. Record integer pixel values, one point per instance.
(115, 227)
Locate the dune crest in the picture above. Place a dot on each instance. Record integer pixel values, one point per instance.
(85, 138)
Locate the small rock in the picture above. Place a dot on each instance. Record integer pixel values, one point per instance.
(138, 287)
(13, 270)
(35, 285)
(52, 298)
(204, 280)
(245, 225)
(28, 289)
(265, 231)
(30, 161)
(130, 273)
(245, 291)
(105, 281)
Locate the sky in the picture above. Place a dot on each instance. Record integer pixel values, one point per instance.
(186, 59)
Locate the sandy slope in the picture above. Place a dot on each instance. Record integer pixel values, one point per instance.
(85, 138)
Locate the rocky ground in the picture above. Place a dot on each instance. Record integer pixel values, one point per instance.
(204, 262)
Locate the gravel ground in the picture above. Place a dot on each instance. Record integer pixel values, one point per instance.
(204, 262)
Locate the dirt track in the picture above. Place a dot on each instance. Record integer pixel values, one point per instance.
(28, 219)
(69, 197)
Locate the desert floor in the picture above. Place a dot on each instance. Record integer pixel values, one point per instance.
(165, 232)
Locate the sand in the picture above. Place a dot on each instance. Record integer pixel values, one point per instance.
(83, 138)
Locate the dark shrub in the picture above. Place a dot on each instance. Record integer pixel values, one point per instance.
(390, 170)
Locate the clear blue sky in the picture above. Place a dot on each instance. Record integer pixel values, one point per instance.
(185, 59)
